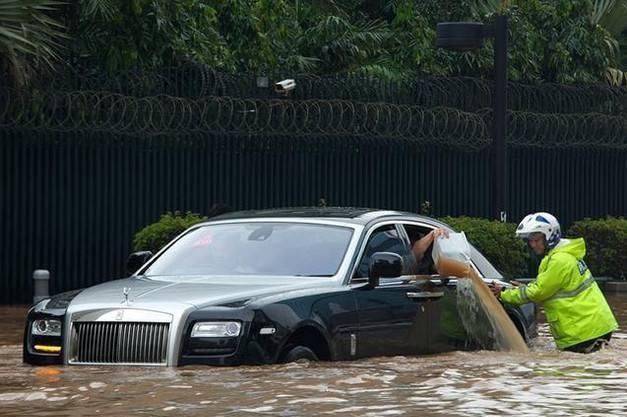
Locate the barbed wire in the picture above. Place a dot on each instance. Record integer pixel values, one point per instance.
(587, 130)
(471, 94)
(99, 111)
(463, 93)
(115, 113)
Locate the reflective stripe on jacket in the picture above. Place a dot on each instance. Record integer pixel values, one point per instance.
(575, 307)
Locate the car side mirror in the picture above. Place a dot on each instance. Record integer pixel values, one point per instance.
(136, 260)
(384, 264)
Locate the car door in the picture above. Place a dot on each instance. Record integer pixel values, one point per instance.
(445, 330)
(391, 321)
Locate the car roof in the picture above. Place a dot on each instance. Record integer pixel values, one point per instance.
(355, 215)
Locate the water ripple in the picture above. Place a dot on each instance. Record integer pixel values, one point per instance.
(467, 384)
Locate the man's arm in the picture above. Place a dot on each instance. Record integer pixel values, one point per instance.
(543, 287)
(420, 246)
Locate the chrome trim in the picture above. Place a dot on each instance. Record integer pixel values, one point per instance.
(399, 222)
(118, 343)
(425, 294)
(267, 330)
(117, 364)
(361, 250)
(122, 315)
(353, 344)
(119, 337)
(126, 291)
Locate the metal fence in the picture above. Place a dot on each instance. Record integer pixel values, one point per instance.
(86, 162)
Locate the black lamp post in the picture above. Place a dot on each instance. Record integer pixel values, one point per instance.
(464, 36)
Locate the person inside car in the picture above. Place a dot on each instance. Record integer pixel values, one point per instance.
(421, 249)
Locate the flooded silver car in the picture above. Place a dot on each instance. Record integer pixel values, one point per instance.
(540, 383)
(268, 287)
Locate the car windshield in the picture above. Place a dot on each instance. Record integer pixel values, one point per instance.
(272, 248)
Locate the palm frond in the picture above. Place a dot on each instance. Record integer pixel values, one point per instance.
(105, 9)
(382, 71)
(301, 63)
(25, 28)
(484, 7)
(599, 9)
(615, 19)
(375, 31)
(330, 6)
(611, 15)
(28, 36)
(616, 77)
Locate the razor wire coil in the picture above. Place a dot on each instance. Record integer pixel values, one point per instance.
(101, 111)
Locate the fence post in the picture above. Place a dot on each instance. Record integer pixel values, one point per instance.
(41, 278)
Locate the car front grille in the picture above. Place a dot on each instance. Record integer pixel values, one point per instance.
(119, 343)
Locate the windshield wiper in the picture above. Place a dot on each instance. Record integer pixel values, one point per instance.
(315, 275)
(144, 277)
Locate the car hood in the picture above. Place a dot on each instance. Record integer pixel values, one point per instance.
(159, 292)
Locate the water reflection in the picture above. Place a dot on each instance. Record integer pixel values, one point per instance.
(542, 382)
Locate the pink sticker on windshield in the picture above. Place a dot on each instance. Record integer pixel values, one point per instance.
(204, 240)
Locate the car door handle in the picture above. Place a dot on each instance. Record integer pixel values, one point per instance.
(424, 295)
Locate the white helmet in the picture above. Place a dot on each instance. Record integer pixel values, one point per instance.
(540, 222)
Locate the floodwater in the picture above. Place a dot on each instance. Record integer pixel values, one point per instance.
(541, 382)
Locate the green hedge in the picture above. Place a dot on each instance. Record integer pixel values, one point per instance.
(497, 241)
(606, 245)
(155, 236)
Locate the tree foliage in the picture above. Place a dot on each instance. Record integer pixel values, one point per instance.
(612, 16)
(29, 37)
(565, 41)
(116, 35)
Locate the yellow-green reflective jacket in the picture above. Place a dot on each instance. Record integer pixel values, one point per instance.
(575, 307)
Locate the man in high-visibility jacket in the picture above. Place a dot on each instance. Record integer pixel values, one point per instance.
(576, 310)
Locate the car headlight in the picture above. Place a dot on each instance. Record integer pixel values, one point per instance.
(216, 329)
(46, 327)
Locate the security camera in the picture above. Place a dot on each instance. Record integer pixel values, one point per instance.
(285, 86)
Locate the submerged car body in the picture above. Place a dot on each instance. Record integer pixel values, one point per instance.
(265, 287)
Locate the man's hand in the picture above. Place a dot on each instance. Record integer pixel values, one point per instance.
(496, 289)
(439, 232)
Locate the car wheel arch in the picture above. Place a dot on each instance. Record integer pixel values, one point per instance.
(309, 335)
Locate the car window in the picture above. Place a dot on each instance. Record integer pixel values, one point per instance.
(483, 267)
(425, 265)
(383, 239)
(256, 248)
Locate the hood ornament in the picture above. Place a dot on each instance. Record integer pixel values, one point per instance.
(127, 290)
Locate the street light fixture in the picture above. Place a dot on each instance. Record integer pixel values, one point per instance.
(465, 36)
